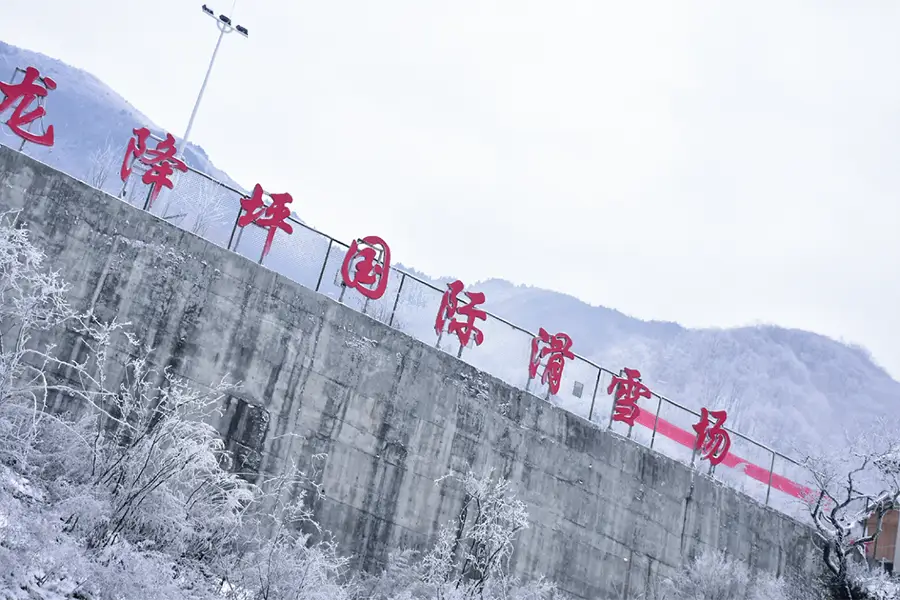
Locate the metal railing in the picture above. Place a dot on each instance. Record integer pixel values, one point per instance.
(204, 206)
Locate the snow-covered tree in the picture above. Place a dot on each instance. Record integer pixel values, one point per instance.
(211, 204)
(848, 490)
(470, 557)
(32, 301)
(104, 160)
(112, 482)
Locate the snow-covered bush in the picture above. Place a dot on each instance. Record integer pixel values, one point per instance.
(866, 583)
(112, 482)
(714, 575)
(282, 552)
(470, 558)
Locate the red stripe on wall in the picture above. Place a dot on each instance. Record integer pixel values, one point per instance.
(686, 438)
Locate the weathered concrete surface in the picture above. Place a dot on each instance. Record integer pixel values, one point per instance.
(391, 413)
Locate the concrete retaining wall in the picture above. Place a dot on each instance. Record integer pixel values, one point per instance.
(391, 413)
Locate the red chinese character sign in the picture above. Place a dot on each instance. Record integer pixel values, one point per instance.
(160, 162)
(369, 275)
(29, 91)
(271, 217)
(557, 348)
(628, 390)
(450, 309)
(712, 440)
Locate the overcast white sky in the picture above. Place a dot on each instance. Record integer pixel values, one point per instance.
(711, 163)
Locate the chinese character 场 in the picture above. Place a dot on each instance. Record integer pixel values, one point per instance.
(559, 347)
(628, 390)
(450, 308)
(160, 160)
(369, 276)
(271, 217)
(27, 92)
(713, 442)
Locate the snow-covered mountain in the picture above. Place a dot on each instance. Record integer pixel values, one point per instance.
(87, 115)
(784, 387)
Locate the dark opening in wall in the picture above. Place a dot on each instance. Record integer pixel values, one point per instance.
(244, 437)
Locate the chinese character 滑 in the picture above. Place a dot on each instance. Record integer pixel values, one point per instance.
(628, 390)
(713, 442)
(160, 160)
(27, 92)
(367, 272)
(559, 347)
(271, 217)
(450, 308)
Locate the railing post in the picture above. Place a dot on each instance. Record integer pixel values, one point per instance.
(233, 229)
(324, 263)
(397, 298)
(656, 420)
(594, 397)
(28, 126)
(694, 451)
(612, 411)
(124, 187)
(771, 470)
(147, 200)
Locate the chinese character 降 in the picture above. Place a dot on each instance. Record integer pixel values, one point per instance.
(160, 160)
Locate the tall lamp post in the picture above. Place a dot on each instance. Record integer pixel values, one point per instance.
(225, 26)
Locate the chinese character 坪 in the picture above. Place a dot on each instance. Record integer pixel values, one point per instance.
(271, 217)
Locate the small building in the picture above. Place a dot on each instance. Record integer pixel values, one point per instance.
(884, 549)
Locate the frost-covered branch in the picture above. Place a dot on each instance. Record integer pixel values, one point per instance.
(102, 162)
(850, 491)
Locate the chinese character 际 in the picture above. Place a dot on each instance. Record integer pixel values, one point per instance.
(271, 217)
(367, 272)
(559, 347)
(450, 308)
(628, 390)
(713, 442)
(27, 92)
(160, 160)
